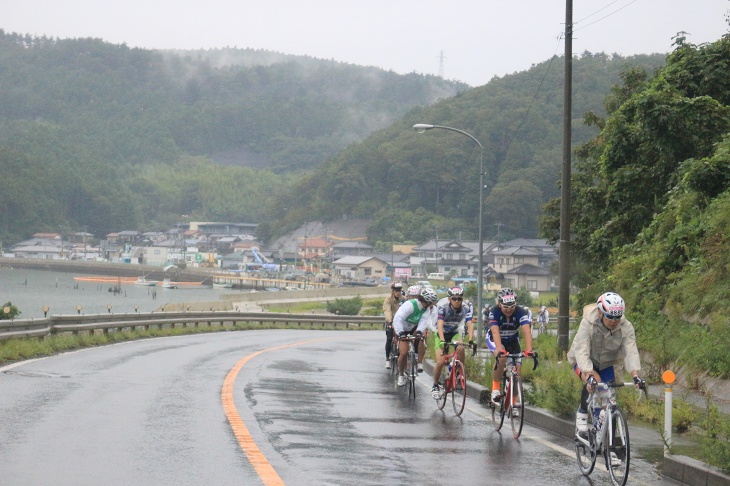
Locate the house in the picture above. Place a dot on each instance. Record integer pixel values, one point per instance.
(155, 255)
(360, 267)
(314, 249)
(445, 256)
(531, 277)
(519, 267)
(399, 265)
(508, 258)
(40, 251)
(547, 252)
(129, 236)
(351, 248)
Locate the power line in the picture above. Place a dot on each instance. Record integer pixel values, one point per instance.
(605, 16)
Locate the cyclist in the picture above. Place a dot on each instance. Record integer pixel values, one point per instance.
(390, 306)
(413, 317)
(505, 321)
(529, 314)
(450, 324)
(543, 318)
(605, 338)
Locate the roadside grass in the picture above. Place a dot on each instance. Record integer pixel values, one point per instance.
(370, 307)
(300, 307)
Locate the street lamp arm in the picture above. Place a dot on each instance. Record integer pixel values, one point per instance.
(422, 127)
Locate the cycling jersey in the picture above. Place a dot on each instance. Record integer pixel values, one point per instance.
(508, 326)
(454, 319)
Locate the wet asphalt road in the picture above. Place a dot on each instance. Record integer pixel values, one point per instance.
(324, 412)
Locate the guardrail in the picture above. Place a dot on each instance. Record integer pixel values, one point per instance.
(74, 324)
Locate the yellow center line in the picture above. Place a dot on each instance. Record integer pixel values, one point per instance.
(257, 459)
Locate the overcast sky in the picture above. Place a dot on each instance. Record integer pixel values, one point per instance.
(470, 40)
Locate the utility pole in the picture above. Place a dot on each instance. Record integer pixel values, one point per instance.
(564, 257)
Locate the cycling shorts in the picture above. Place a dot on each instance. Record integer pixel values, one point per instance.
(448, 336)
(512, 347)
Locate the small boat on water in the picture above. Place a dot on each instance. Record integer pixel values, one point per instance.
(167, 284)
(222, 285)
(144, 281)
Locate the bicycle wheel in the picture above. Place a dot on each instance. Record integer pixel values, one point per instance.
(458, 394)
(517, 407)
(394, 357)
(441, 402)
(617, 450)
(499, 410)
(585, 453)
(412, 373)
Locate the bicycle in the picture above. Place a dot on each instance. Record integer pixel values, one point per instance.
(543, 325)
(411, 370)
(511, 398)
(608, 434)
(455, 382)
(394, 355)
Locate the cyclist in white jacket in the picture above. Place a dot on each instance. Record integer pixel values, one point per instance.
(605, 338)
(413, 317)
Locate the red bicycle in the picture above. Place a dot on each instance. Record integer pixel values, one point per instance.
(455, 382)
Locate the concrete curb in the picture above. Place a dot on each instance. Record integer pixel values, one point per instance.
(679, 468)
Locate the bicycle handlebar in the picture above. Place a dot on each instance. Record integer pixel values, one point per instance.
(516, 356)
(612, 384)
(456, 345)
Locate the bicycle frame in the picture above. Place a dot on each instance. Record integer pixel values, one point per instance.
(455, 382)
(611, 439)
(511, 396)
(411, 370)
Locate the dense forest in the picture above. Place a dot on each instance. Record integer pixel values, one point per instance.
(414, 186)
(651, 199)
(102, 137)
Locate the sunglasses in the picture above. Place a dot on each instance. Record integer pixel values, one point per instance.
(611, 318)
(509, 306)
(457, 298)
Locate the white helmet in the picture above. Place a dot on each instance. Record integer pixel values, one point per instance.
(611, 304)
(458, 291)
(429, 295)
(414, 290)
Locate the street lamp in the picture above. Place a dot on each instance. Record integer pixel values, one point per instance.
(422, 127)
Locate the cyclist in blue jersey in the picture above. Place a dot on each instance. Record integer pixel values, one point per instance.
(505, 321)
(413, 318)
(453, 318)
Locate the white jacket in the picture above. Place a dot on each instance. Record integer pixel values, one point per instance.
(595, 346)
(406, 309)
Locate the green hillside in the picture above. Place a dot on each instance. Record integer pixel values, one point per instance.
(415, 185)
(104, 137)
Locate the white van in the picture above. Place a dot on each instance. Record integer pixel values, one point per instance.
(436, 276)
(423, 283)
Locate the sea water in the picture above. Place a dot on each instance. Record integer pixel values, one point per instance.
(31, 290)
